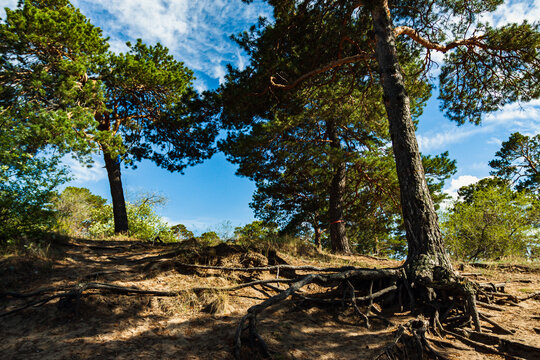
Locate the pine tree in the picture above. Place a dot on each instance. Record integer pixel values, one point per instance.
(57, 76)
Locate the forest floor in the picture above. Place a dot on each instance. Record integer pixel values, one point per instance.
(202, 325)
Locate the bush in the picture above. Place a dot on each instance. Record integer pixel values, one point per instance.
(85, 214)
(27, 188)
(492, 221)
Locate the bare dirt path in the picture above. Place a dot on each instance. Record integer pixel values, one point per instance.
(202, 326)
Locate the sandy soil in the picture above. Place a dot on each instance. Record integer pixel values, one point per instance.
(202, 327)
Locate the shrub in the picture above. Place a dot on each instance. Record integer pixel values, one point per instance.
(492, 221)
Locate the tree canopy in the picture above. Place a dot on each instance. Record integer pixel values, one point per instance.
(59, 79)
(518, 161)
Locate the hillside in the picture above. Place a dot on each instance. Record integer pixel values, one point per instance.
(88, 303)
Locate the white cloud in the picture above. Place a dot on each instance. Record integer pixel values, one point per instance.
(514, 12)
(524, 118)
(457, 183)
(197, 32)
(84, 174)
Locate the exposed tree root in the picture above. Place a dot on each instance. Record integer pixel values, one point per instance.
(65, 293)
(410, 342)
(449, 305)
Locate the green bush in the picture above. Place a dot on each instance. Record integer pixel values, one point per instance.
(27, 189)
(85, 214)
(492, 221)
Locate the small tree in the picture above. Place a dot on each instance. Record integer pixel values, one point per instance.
(490, 220)
(181, 232)
(28, 179)
(77, 209)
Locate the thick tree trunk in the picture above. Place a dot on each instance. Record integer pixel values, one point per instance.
(117, 193)
(338, 235)
(112, 165)
(425, 245)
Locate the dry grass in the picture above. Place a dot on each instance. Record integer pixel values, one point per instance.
(201, 325)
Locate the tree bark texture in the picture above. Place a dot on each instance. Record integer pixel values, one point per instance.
(425, 245)
(317, 231)
(117, 193)
(112, 165)
(338, 234)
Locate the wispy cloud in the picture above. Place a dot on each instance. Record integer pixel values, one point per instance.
(7, 4)
(84, 174)
(196, 32)
(524, 118)
(514, 12)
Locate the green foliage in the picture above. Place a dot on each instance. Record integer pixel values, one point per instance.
(209, 238)
(254, 231)
(492, 221)
(476, 80)
(82, 213)
(27, 187)
(78, 209)
(518, 161)
(57, 75)
(181, 232)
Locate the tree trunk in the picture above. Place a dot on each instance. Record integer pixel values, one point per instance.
(425, 245)
(317, 231)
(338, 235)
(115, 182)
(117, 193)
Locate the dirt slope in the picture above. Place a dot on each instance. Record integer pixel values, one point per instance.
(202, 325)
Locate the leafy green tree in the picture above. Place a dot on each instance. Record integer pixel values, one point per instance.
(518, 160)
(57, 76)
(484, 68)
(256, 230)
(492, 221)
(27, 189)
(145, 223)
(77, 209)
(28, 179)
(181, 232)
(209, 238)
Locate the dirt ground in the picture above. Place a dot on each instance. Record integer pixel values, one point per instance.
(202, 326)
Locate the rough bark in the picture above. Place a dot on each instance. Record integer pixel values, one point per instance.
(117, 193)
(112, 165)
(425, 245)
(317, 231)
(338, 234)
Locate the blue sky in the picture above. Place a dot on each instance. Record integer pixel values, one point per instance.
(209, 196)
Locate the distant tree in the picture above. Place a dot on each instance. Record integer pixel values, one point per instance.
(181, 232)
(77, 209)
(146, 224)
(209, 238)
(490, 220)
(256, 230)
(518, 160)
(57, 77)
